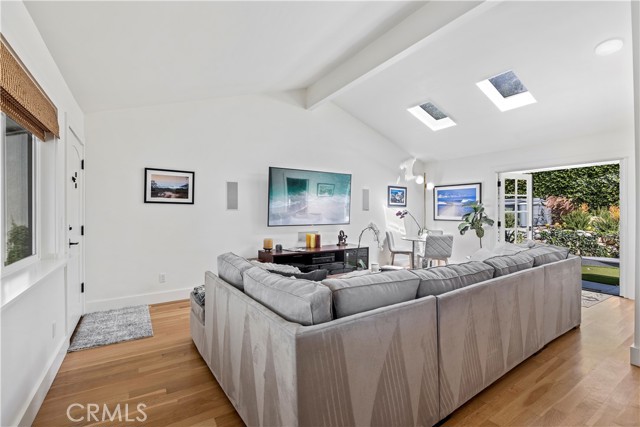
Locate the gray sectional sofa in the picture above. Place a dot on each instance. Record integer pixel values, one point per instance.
(402, 348)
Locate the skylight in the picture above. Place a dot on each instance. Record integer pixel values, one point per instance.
(431, 116)
(506, 91)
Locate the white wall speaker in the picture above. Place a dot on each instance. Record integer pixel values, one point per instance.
(232, 196)
(365, 199)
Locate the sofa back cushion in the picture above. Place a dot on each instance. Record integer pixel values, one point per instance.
(472, 272)
(364, 293)
(545, 254)
(301, 301)
(507, 264)
(231, 267)
(437, 280)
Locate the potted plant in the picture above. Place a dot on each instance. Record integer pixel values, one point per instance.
(475, 220)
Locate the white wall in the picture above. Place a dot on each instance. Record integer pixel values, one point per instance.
(31, 352)
(484, 169)
(231, 139)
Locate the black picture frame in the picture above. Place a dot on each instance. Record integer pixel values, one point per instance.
(396, 196)
(171, 191)
(439, 214)
(325, 189)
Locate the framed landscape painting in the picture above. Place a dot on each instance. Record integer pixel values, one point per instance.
(396, 196)
(168, 186)
(450, 202)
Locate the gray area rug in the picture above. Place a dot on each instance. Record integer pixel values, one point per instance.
(112, 326)
(592, 298)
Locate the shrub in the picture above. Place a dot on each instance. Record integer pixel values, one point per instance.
(559, 206)
(18, 243)
(577, 220)
(606, 223)
(598, 186)
(580, 242)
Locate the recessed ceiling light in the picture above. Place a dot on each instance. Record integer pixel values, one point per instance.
(506, 91)
(608, 47)
(431, 116)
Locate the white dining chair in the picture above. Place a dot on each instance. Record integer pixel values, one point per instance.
(397, 246)
(437, 247)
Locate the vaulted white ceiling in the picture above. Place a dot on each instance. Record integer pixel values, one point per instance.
(118, 54)
(373, 59)
(549, 45)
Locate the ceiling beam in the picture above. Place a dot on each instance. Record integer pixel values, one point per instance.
(413, 33)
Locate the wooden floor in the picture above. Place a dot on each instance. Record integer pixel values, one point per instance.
(582, 378)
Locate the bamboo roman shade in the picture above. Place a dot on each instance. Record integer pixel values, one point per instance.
(22, 99)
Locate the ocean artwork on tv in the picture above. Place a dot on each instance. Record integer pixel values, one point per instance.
(451, 202)
(303, 197)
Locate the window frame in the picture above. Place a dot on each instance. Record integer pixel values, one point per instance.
(35, 201)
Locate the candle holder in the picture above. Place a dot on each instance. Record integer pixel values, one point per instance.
(268, 245)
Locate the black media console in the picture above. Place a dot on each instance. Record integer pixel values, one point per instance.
(336, 259)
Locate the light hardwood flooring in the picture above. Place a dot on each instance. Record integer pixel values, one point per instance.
(582, 378)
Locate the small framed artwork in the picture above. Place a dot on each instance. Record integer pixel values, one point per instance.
(325, 190)
(450, 202)
(168, 186)
(396, 196)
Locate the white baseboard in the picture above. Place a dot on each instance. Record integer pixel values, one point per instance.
(152, 298)
(635, 355)
(42, 388)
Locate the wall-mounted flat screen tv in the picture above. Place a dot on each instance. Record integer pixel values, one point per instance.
(302, 197)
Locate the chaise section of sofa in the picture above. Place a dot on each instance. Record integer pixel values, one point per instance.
(378, 367)
(486, 329)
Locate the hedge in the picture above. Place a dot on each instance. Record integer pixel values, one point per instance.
(597, 186)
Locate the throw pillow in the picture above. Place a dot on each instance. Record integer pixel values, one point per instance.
(315, 275)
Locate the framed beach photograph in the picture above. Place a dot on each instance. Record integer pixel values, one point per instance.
(168, 186)
(450, 202)
(397, 196)
(325, 190)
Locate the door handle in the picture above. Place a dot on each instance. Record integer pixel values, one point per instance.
(73, 243)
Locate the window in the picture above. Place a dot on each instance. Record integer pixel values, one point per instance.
(506, 91)
(18, 169)
(429, 114)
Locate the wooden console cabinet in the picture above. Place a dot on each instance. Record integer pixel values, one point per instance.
(336, 259)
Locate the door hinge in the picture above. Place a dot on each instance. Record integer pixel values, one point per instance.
(82, 288)
(499, 184)
(82, 230)
(499, 224)
(82, 164)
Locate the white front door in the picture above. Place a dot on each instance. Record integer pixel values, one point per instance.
(515, 192)
(75, 230)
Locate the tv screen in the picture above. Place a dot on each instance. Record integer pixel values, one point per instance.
(302, 197)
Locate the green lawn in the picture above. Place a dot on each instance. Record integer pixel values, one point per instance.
(606, 275)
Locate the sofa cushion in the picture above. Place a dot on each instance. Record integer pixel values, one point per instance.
(507, 264)
(363, 293)
(472, 272)
(315, 275)
(301, 301)
(437, 280)
(231, 267)
(545, 254)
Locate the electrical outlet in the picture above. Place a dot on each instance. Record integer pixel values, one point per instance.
(162, 277)
(53, 330)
